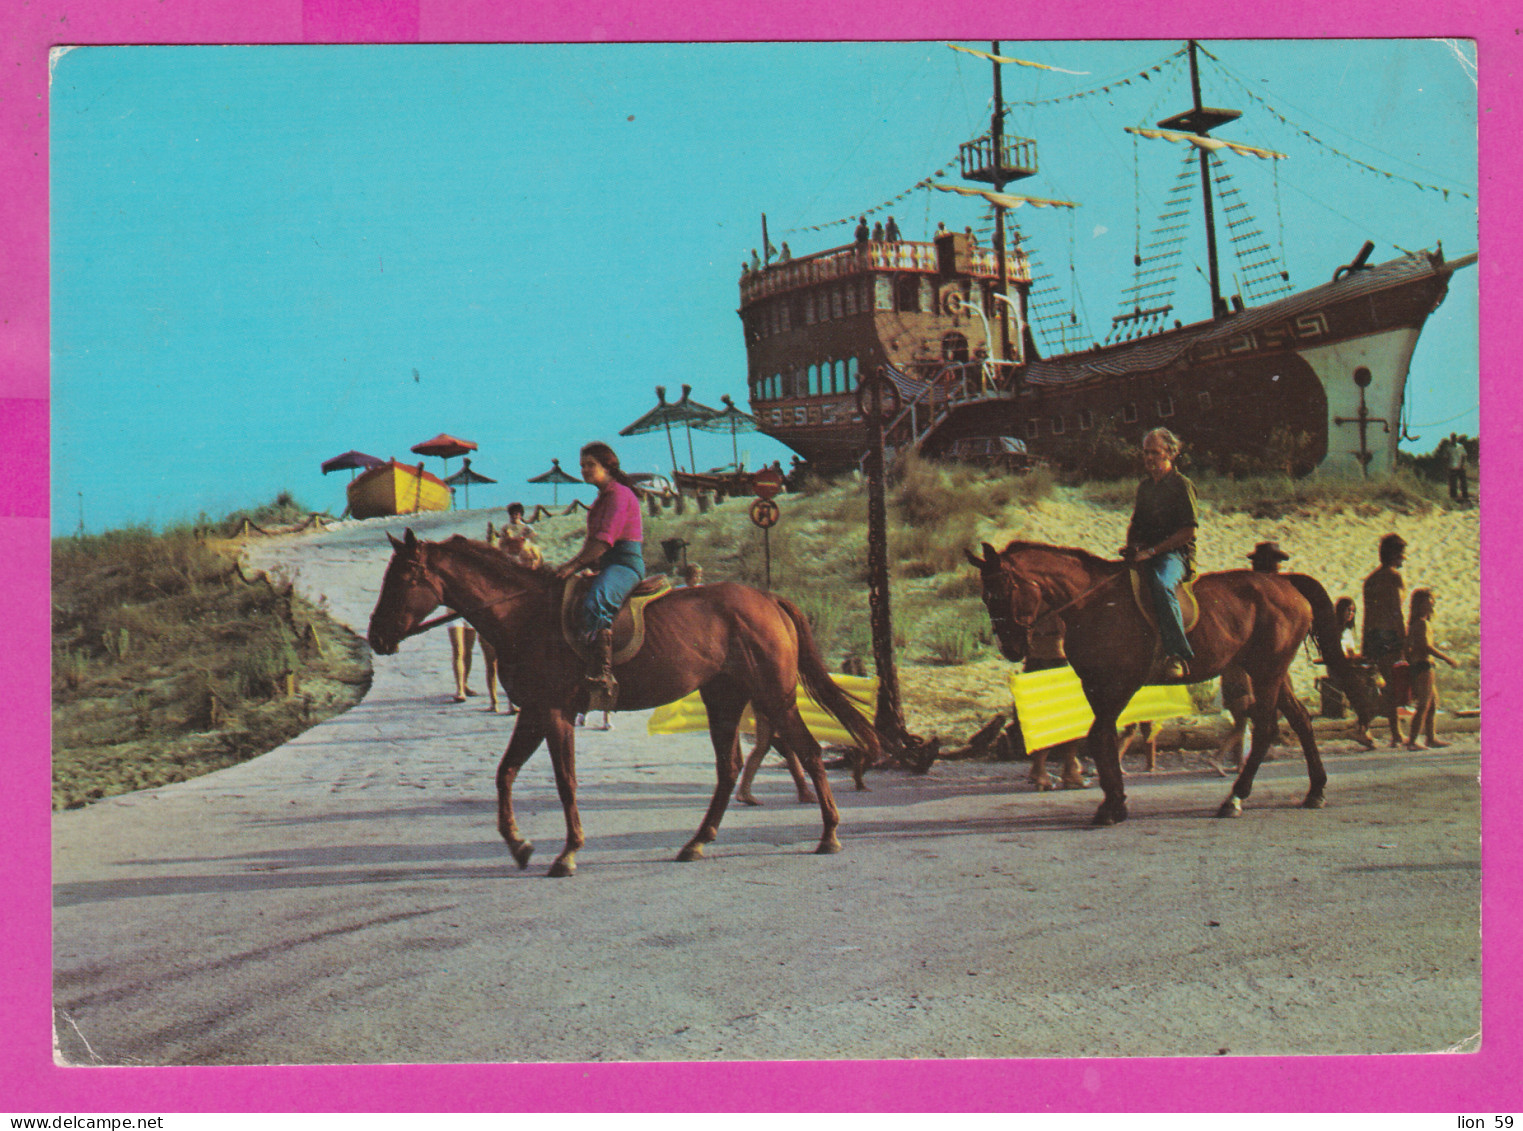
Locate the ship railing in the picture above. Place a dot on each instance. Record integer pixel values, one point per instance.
(925, 404)
(874, 255)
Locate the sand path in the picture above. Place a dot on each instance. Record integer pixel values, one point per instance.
(346, 898)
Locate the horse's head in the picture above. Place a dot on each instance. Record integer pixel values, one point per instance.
(408, 594)
(1012, 600)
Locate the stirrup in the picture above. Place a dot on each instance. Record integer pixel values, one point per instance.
(602, 688)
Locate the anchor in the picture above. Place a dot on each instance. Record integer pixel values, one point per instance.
(1362, 378)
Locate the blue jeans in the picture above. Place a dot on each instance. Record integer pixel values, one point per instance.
(619, 570)
(1163, 573)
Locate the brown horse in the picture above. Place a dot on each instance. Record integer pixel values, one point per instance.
(1255, 621)
(732, 644)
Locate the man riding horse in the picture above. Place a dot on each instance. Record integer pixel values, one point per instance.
(1160, 540)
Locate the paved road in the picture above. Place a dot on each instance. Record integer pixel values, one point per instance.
(346, 899)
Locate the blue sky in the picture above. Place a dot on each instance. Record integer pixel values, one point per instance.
(265, 256)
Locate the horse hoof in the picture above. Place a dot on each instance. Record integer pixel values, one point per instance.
(562, 868)
(1314, 801)
(829, 846)
(521, 852)
(691, 852)
(1106, 817)
(1232, 807)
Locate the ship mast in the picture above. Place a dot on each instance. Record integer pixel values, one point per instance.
(998, 163)
(1202, 120)
(997, 133)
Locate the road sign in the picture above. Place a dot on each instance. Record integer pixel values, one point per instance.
(764, 513)
(767, 484)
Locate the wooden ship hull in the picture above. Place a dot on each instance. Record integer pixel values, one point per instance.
(1325, 368)
(1308, 380)
(396, 488)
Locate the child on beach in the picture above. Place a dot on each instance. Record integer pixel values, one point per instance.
(1419, 655)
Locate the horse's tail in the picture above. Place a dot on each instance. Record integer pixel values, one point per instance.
(827, 694)
(1325, 632)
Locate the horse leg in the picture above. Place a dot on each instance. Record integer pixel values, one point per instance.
(1264, 713)
(725, 703)
(1104, 749)
(753, 762)
(794, 735)
(1299, 718)
(527, 735)
(561, 737)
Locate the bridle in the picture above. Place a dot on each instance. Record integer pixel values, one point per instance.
(415, 573)
(1039, 616)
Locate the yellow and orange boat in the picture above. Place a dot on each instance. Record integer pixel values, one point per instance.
(396, 488)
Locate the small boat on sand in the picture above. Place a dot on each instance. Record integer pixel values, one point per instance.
(396, 488)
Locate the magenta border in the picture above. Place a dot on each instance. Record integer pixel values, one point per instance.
(1483, 1082)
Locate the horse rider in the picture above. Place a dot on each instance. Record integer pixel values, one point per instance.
(614, 553)
(1160, 542)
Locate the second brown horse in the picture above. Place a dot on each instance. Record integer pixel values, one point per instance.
(732, 644)
(1255, 621)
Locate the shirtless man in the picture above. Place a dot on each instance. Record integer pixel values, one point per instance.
(1385, 628)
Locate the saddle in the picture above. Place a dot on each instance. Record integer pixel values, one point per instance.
(1189, 607)
(628, 625)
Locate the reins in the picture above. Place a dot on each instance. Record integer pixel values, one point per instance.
(453, 616)
(1032, 623)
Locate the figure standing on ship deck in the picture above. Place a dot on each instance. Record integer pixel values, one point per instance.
(1160, 541)
(614, 552)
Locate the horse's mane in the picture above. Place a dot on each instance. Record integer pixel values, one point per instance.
(494, 562)
(1084, 557)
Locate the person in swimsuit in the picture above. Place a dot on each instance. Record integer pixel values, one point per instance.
(1420, 653)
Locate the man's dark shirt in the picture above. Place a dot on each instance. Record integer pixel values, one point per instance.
(1164, 508)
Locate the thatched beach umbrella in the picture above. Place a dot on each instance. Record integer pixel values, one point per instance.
(444, 446)
(464, 478)
(556, 476)
(729, 419)
(685, 412)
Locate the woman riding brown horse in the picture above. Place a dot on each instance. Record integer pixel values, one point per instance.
(1254, 621)
(733, 644)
